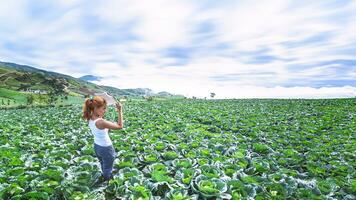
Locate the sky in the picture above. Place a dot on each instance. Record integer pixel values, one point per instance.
(236, 49)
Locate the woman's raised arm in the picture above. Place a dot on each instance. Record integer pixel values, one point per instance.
(102, 124)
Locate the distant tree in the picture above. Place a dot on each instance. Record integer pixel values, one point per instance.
(2, 102)
(150, 98)
(126, 98)
(52, 97)
(212, 95)
(41, 98)
(24, 87)
(8, 102)
(30, 99)
(26, 77)
(58, 89)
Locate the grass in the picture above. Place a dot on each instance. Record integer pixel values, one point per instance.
(19, 97)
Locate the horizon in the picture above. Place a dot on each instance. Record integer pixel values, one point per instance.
(289, 49)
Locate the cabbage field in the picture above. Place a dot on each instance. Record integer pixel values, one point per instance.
(185, 149)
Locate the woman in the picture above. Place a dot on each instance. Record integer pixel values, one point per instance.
(93, 111)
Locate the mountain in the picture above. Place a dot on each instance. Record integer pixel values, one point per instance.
(26, 68)
(129, 92)
(24, 78)
(90, 78)
(164, 94)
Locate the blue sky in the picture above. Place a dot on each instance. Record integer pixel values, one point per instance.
(241, 49)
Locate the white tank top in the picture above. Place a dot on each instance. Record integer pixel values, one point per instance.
(101, 136)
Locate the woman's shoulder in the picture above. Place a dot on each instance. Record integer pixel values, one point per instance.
(99, 122)
(95, 119)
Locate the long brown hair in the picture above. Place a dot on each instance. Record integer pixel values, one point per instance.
(90, 104)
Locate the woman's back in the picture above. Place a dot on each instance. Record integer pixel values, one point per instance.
(101, 136)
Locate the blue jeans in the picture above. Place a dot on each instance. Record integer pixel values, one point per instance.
(106, 156)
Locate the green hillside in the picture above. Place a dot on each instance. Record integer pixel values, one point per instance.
(19, 83)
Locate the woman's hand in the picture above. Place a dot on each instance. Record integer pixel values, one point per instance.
(120, 120)
(118, 106)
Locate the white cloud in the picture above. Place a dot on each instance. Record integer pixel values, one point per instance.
(161, 23)
(70, 42)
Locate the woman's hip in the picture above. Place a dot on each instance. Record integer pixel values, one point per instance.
(104, 151)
